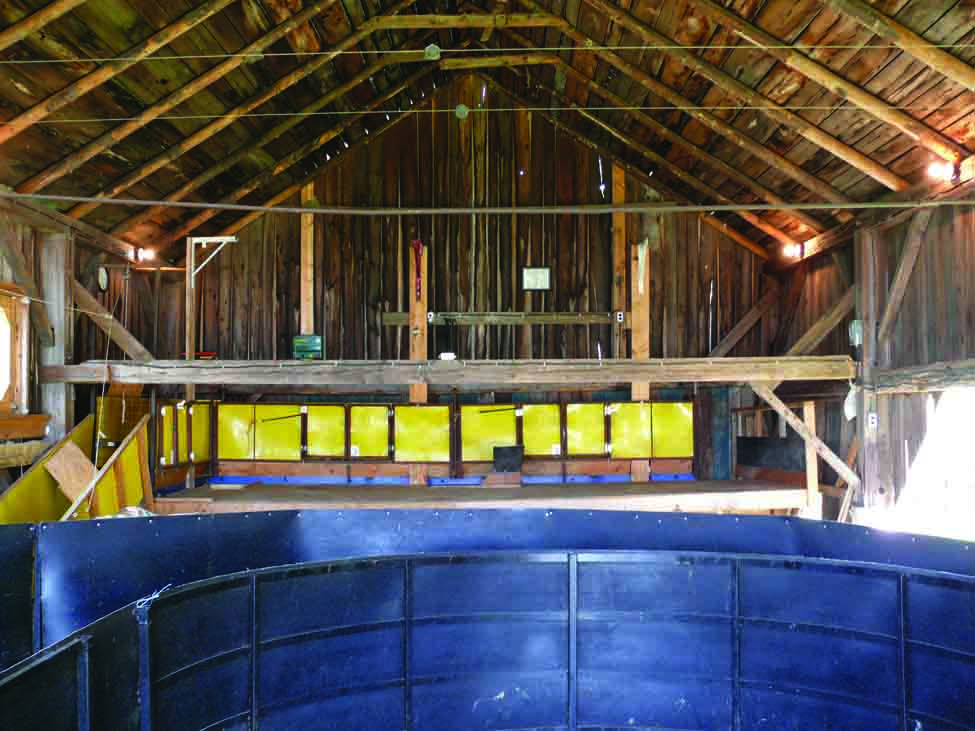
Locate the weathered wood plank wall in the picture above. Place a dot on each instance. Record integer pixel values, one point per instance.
(701, 281)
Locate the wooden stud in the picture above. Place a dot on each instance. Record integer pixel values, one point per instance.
(641, 254)
(814, 499)
(905, 266)
(811, 339)
(57, 252)
(308, 262)
(418, 318)
(190, 344)
(619, 262)
(847, 501)
(746, 323)
(105, 322)
(110, 69)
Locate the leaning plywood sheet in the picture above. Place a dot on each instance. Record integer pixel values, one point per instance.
(72, 469)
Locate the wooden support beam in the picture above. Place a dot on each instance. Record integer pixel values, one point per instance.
(36, 21)
(898, 288)
(567, 373)
(737, 236)
(112, 137)
(312, 146)
(402, 319)
(728, 131)
(903, 37)
(203, 134)
(418, 314)
(928, 378)
(26, 426)
(108, 324)
(110, 69)
(814, 499)
(810, 68)
(43, 217)
(500, 61)
(307, 326)
(847, 500)
(818, 331)
(746, 323)
(189, 318)
(11, 253)
(56, 251)
(818, 446)
(618, 349)
(641, 255)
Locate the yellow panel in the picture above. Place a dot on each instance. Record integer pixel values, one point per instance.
(673, 430)
(630, 431)
(278, 433)
(36, 497)
(585, 429)
(422, 434)
(235, 431)
(133, 473)
(369, 431)
(166, 433)
(183, 455)
(106, 498)
(116, 417)
(541, 427)
(326, 431)
(485, 427)
(201, 432)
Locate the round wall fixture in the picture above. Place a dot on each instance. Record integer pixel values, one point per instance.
(102, 278)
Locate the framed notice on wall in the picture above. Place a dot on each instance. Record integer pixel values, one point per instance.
(536, 278)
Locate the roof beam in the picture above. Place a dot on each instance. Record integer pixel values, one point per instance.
(222, 122)
(726, 130)
(915, 129)
(732, 86)
(903, 37)
(35, 21)
(111, 69)
(569, 373)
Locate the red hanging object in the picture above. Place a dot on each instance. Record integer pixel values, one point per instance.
(418, 261)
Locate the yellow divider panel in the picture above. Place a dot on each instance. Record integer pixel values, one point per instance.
(278, 433)
(235, 431)
(183, 453)
(585, 429)
(673, 430)
(369, 431)
(541, 428)
(630, 435)
(201, 432)
(116, 416)
(165, 427)
(485, 427)
(326, 431)
(422, 434)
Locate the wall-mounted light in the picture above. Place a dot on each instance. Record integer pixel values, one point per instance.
(793, 251)
(145, 254)
(943, 170)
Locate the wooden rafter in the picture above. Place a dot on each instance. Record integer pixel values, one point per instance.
(737, 89)
(822, 75)
(36, 21)
(129, 344)
(905, 266)
(280, 166)
(746, 323)
(176, 151)
(111, 69)
(692, 109)
(903, 37)
(567, 372)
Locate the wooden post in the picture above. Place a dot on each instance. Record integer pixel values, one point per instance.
(814, 499)
(190, 344)
(640, 300)
(619, 261)
(55, 252)
(307, 262)
(418, 318)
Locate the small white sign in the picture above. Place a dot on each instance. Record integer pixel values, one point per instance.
(354, 450)
(556, 450)
(536, 278)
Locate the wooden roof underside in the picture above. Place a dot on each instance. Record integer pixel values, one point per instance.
(832, 112)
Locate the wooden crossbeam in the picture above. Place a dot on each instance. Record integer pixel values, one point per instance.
(748, 95)
(14, 257)
(36, 21)
(926, 378)
(499, 61)
(818, 331)
(112, 137)
(567, 373)
(810, 68)
(108, 324)
(746, 323)
(402, 319)
(174, 152)
(905, 266)
(726, 130)
(110, 69)
(45, 218)
(903, 37)
(281, 165)
(766, 394)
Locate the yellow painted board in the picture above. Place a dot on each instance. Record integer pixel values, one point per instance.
(133, 474)
(106, 499)
(585, 429)
(166, 412)
(201, 432)
(673, 430)
(630, 432)
(422, 434)
(235, 431)
(36, 497)
(369, 431)
(483, 428)
(541, 428)
(182, 417)
(278, 433)
(326, 431)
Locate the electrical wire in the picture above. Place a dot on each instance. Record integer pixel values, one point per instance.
(582, 210)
